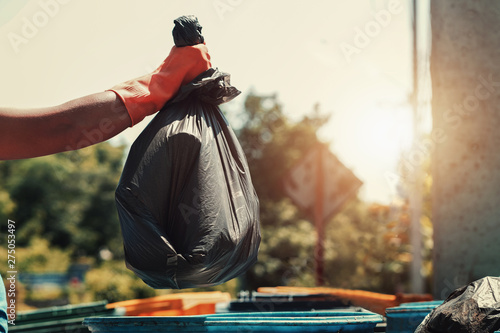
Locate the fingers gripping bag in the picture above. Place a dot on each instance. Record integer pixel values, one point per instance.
(188, 211)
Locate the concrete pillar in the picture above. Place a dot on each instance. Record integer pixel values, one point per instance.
(465, 71)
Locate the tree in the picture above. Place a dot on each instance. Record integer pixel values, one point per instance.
(272, 144)
(466, 113)
(366, 245)
(367, 248)
(66, 199)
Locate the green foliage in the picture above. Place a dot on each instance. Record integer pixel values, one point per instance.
(273, 143)
(367, 248)
(285, 256)
(40, 257)
(113, 282)
(66, 199)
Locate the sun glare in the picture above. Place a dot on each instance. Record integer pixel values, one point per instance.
(371, 142)
(381, 135)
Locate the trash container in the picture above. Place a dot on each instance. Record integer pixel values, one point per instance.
(406, 317)
(67, 318)
(307, 321)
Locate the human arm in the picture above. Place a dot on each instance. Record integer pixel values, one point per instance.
(26, 133)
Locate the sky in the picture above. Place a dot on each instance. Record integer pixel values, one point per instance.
(353, 58)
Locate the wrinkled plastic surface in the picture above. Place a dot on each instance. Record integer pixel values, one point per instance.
(187, 31)
(474, 308)
(188, 210)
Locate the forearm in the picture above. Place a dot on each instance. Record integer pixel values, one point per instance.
(73, 125)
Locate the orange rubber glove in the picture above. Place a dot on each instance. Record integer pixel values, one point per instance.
(147, 94)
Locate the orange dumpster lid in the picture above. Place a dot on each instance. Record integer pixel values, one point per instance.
(369, 300)
(172, 303)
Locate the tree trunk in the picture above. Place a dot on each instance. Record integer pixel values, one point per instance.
(465, 71)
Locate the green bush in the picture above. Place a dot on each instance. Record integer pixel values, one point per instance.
(113, 282)
(40, 257)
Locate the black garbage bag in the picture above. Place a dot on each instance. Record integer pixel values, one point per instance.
(188, 211)
(474, 308)
(187, 31)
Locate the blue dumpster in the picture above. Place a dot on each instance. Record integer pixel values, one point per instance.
(60, 319)
(321, 321)
(406, 317)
